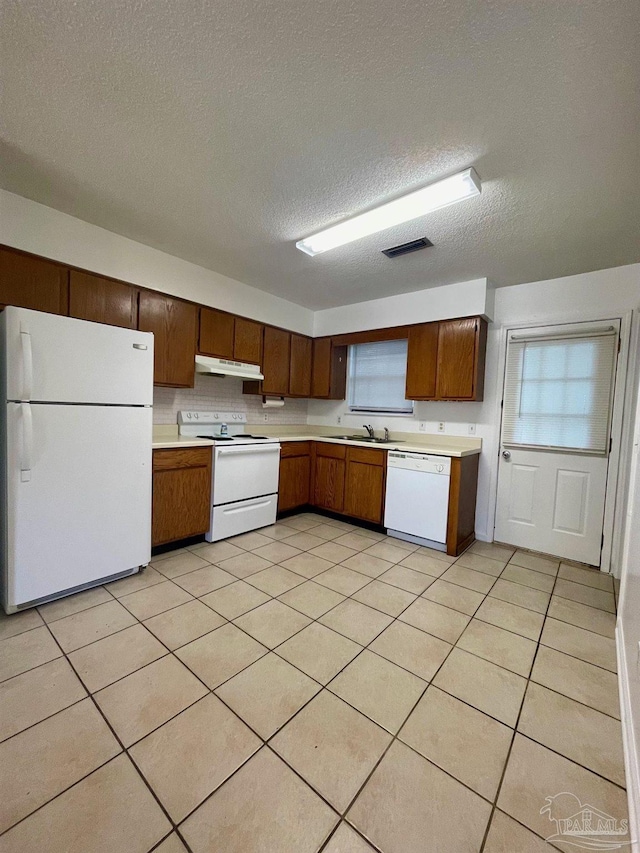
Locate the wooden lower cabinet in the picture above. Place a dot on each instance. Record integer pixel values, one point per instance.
(463, 489)
(328, 476)
(181, 493)
(295, 475)
(365, 484)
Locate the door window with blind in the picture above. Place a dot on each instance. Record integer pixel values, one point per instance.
(377, 378)
(559, 388)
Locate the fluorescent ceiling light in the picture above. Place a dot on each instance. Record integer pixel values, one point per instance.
(441, 194)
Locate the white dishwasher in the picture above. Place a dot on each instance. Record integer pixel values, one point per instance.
(417, 498)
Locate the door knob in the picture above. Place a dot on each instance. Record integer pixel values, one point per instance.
(506, 454)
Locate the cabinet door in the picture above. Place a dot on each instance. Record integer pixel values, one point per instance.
(173, 324)
(364, 491)
(364, 483)
(300, 369)
(102, 300)
(217, 330)
(458, 343)
(293, 488)
(328, 483)
(181, 494)
(247, 345)
(422, 360)
(29, 282)
(275, 361)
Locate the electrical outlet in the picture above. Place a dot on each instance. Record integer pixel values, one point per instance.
(266, 418)
(339, 419)
(472, 429)
(422, 426)
(441, 427)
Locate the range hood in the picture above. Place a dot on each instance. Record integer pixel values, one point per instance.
(226, 367)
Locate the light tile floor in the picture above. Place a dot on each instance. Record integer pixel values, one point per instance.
(312, 686)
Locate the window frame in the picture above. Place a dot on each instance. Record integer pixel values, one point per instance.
(578, 330)
(375, 410)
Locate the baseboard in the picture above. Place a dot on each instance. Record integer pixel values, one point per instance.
(629, 745)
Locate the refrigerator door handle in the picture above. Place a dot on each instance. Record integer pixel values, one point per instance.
(27, 442)
(27, 364)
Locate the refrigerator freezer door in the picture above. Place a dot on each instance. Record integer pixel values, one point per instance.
(78, 500)
(63, 360)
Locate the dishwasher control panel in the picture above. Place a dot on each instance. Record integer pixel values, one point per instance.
(420, 462)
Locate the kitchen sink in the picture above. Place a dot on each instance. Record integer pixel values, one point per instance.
(367, 439)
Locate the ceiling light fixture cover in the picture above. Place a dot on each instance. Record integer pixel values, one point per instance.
(418, 203)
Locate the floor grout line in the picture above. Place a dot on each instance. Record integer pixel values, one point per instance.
(394, 737)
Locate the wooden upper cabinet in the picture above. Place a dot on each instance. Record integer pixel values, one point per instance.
(217, 331)
(102, 300)
(30, 282)
(422, 361)
(300, 366)
(247, 342)
(173, 323)
(276, 358)
(329, 370)
(461, 354)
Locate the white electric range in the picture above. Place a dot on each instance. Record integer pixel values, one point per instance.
(245, 471)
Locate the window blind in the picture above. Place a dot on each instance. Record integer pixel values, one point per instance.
(377, 377)
(558, 390)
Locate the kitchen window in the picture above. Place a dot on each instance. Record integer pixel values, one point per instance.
(377, 378)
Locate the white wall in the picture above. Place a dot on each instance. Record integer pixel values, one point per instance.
(32, 227)
(582, 297)
(628, 628)
(218, 394)
(464, 299)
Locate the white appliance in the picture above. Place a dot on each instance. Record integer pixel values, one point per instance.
(245, 472)
(75, 453)
(417, 498)
(226, 367)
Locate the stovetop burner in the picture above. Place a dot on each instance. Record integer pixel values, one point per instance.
(239, 437)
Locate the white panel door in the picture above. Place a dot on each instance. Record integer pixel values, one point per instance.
(554, 453)
(64, 360)
(78, 495)
(552, 502)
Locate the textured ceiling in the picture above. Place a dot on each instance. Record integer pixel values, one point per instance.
(221, 132)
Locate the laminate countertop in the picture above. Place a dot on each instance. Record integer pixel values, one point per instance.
(445, 447)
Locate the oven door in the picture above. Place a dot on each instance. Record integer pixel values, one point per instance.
(245, 471)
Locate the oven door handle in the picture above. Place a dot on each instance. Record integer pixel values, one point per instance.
(248, 448)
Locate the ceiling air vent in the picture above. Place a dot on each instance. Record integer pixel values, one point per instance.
(405, 248)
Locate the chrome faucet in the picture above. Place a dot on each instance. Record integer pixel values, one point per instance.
(369, 429)
(386, 434)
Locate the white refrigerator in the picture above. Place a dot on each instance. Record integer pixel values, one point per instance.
(75, 450)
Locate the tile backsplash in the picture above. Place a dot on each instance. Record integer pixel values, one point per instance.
(216, 394)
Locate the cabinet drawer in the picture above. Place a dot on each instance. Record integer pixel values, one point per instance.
(295, 448)
(331, 451)
(367, 455)
(188, 457)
